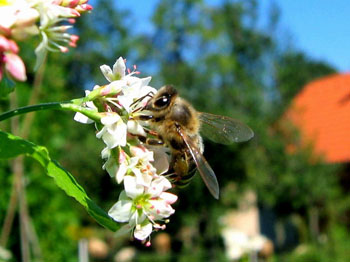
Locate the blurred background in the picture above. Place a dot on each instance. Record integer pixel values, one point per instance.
(278, 66)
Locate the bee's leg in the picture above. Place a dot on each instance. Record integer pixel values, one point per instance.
(157, 141)
(151, 141)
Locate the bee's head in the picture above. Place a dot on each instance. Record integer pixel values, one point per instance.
(162, 99)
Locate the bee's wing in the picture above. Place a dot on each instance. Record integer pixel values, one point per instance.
(223, 129)
(203, 167)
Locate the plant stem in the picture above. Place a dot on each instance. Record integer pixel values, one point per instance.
(27, 109)
(73, 105)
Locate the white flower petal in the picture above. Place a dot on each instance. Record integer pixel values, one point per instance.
(107, 72)
(121, 173)
(169, 198)
(160, 209)
(100, 133)
(133, 162)
(110, 119)
(119, 68)
(116, 86)
(110, 140)
(121, 133)
(132, 189)
(135, 128)
(142, 232)
(145, 81)
(79, 117)
(121, 211)
(137, 219)
(123, 196)
(111, 167)
(106, 152)
(133, 82)
(159, 185)
(125, 101)
(142, 178)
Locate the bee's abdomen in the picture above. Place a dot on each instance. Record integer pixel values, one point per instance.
(185, 180)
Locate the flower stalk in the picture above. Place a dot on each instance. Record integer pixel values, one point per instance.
(72, 105)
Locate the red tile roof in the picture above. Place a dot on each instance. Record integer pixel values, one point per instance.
(322, 113)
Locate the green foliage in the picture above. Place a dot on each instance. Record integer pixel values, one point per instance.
(333, 247)
(13, 146)
(7, 86)
(220, 60)
(294, 70)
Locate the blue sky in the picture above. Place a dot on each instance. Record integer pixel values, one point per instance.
(320, 28)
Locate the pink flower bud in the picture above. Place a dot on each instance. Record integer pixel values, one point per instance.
(15, 66)
(64, 49)
(168, 197)
(4, 44)
(74, 38)
(73, 3)
(72, 44)
(86, 7)
(13, 47)
(7, 45)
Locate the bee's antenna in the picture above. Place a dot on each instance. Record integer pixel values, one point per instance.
(149, 94)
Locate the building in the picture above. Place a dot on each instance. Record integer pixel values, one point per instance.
(321, 112)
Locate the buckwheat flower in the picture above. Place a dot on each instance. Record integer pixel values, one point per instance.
(114, 130)
(118, 71)
(143, 170)
(132, 87)
(118, 163)
(51, 12)
(142, 206)
(55, 36)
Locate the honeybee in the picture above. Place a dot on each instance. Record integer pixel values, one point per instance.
(179, 125)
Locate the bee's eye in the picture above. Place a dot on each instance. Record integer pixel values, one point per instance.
(162, 101)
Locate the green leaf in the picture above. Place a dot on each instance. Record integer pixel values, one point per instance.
(12, 146)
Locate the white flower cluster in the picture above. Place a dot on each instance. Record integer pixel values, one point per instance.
(143, 203)
(20, 19)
